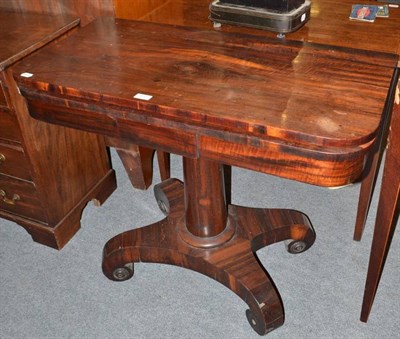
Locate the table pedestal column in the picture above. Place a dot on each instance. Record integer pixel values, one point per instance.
(200, 232)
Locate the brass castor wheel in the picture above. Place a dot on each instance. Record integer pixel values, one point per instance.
(296, 246)
(123, 273)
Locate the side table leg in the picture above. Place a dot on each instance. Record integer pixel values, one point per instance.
(164, 163)
(366, 192)
(375, 157)
(381, 240)
(385, 217)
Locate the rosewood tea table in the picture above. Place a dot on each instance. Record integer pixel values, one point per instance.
(330, 25)
(297, 110)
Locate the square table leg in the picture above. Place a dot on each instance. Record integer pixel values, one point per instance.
(374, 159)
(386, 214)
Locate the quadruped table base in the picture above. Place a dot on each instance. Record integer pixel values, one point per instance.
(228, 256)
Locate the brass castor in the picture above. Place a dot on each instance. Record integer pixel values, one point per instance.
(123, 273)
(296, 246)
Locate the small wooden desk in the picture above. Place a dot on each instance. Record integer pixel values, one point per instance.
(44, 183)
(297, 110)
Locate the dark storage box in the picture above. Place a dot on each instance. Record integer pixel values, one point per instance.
(277, 5)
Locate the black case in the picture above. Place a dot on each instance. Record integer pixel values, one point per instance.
(277, 5)
(257, 17)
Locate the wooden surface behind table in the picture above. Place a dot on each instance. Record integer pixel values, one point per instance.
(329, 23)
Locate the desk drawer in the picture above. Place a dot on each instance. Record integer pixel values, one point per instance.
(20, 197)
(13, 162)
(9, 128)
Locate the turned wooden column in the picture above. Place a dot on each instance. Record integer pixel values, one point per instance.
(206, 211)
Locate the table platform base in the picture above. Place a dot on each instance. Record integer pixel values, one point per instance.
(229, 258)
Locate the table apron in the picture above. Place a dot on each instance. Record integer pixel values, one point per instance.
(327, 166)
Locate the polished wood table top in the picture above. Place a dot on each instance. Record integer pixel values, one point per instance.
(299, 110)
(306, 101)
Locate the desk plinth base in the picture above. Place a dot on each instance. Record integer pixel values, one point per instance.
(233, 262)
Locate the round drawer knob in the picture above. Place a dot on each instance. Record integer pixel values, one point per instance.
(2, 158)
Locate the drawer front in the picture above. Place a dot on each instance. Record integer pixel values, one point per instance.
(3, 100)
(13, 162)
(9, 129)
(20, 197)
